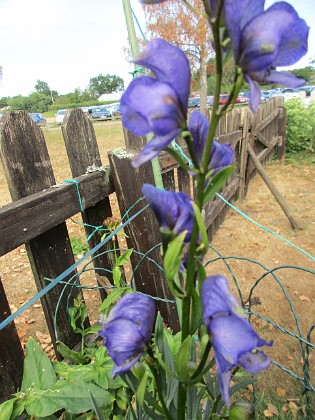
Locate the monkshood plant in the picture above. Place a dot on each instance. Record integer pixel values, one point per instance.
(144, 370)
(188, 375)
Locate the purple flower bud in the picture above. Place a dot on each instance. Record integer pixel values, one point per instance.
(157, 104)
(221, 155)
(172, 209)
(127, 330)
(263, 40)
(234, 339)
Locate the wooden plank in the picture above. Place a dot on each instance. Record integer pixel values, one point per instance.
(28, 170)
(169, 180)
(267, 120)
(231, 138)
(219, 204)
(143, 232)
(11, 353)
(184, 183)
(83, 153)
(52, 206)
(282, 119)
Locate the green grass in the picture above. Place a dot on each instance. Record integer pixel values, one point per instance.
(300, 158)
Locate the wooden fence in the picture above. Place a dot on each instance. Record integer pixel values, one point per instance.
(37, 215)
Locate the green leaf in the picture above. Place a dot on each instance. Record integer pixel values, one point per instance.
(197, 312)
(18, 408)
(75, 372)
(172, 260)
(124, 257)
(181, 361)
(116, 276)
(112, 297)
(140, 393)
(216, 183)
(71, 355)
(6, 409)
(201, 226)
(93, 329)
(73, 397)
(180, 160)
(96, 408)
(38, 371)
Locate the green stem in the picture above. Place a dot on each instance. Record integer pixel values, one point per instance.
(215, 25)
(159, 391)
(190, 283)
(158, 383)
(203, 361)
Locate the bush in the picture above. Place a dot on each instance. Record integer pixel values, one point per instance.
(300, 126)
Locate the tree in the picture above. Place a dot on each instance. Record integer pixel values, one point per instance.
(35, 102)
(305, 73)
(178, 24)
(105, 84)
(44, 89)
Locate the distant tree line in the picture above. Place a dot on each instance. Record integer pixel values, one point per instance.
(43, 96)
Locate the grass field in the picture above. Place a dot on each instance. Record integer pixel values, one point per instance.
(109, 136)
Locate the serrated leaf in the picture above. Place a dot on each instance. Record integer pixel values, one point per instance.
(73, 397)
(216, 183)
(38, 371)
(122, 259)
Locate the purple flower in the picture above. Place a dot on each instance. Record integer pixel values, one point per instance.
(128, 329)
(234, 340)
(263, 40)
(158, 104)
(221, 155)
(172, 209)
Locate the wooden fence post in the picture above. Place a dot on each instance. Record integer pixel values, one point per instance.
(84, 156)
(143, 232)
(11, 353)
(28, 170)
(282, 121)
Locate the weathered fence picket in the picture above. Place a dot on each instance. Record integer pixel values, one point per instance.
(28, 170)
(40, 208)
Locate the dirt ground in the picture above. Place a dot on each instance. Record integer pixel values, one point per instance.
(247, 244)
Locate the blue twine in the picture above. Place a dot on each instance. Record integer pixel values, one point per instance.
(68, 271)
(76, 183)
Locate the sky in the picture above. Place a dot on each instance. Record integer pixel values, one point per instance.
(67, 42)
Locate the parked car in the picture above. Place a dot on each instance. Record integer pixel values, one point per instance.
(101, 114)
(291, 93)
(116, 111)
(307, 89)
(193, 102)
(209, 100)
(223, 98)
(60, 116)
(241, 100)
(38, 118)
